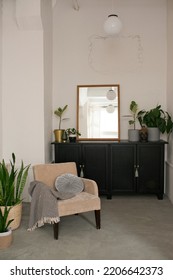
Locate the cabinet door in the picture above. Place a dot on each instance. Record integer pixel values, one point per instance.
(122, 170)
(68, 152)
(95, 161)
(150, 158)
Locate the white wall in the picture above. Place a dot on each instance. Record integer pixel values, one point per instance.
(46, 15)
(22, 89)
(27, 81)
(169, 173)
(0, 78)
(136, 59)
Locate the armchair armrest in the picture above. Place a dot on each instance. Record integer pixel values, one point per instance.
(90, 186)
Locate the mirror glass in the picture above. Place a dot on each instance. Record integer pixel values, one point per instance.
(98, 112)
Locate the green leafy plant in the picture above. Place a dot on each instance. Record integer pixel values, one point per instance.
(157, 117)
(133, 109)
(72, 131)
(59, 112)
(4, 223)
(12, 182)
(135, 114)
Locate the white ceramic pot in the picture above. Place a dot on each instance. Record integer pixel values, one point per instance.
(6, 239)
(133, 135)
(153, 134)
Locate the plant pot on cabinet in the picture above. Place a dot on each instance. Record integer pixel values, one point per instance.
(153, 134)
(6, 239)
(58, 135)
(72, 138)
(15, 213)
(133, 135)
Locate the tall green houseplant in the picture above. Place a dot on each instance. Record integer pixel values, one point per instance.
(59, 132)
(133, 134)
(59, 113)
(12, 183)
(133, 109)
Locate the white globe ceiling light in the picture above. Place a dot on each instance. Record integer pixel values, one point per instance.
(111, 94)
(110, 108)
(112, 25)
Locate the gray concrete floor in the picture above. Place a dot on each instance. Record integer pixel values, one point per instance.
(133, 228)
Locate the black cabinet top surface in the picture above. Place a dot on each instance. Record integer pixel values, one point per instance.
(111, 142)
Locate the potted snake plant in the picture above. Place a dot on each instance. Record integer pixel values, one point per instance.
(12, 183)
(5, 230)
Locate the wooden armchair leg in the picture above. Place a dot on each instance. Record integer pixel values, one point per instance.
(56, 229)
(97, 218)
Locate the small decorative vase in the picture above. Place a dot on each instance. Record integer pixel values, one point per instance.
(64, 137)
(143, 134)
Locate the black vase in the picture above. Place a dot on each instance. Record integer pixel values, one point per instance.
(72, 139)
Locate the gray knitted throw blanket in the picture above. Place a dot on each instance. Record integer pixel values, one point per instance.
(44, 208)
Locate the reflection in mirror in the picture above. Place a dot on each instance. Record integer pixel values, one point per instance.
(98, 111)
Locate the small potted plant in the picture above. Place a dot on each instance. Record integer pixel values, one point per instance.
(59, 132)
(133, 133)
(72, 133)
(157, 120)
(5, 230)
(12, 183)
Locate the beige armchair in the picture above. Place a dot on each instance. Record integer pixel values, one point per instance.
(87, 200)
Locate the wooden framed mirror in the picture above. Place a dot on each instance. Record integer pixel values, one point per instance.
(98, 112)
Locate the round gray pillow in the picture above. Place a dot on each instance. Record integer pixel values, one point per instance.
(69, 183)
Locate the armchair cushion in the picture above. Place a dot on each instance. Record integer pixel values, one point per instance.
(69, 183)
(82, 202)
